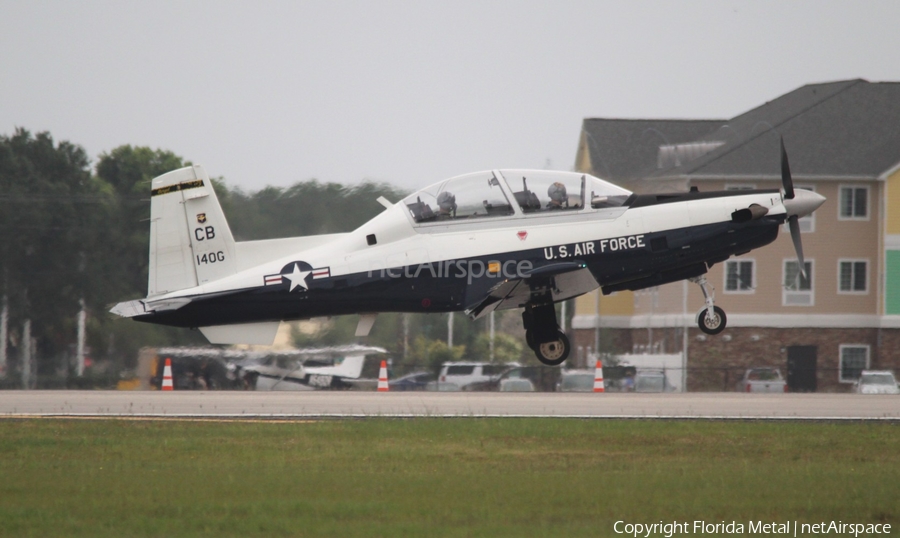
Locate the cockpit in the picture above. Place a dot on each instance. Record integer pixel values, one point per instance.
(506, 193)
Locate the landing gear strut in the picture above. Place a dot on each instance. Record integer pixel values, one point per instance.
(543, 335)
(711, 318)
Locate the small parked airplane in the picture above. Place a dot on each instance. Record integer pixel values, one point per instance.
(479, 242)
(337, 367)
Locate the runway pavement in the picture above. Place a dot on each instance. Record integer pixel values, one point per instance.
(284, 405)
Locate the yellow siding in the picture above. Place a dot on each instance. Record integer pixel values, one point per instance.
(586, 305)
(618, 304)
(583, 158)
(893, 203)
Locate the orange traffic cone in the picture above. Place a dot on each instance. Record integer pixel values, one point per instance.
(382, 378)
(598, 378)
(167, 376)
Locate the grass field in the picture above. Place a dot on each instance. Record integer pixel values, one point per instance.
(433, 477)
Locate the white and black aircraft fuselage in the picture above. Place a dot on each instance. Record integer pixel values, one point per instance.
(484, 241)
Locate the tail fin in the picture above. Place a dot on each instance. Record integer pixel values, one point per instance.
(190, 241)
(351, 367)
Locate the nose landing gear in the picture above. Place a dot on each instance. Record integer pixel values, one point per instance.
(711, 319)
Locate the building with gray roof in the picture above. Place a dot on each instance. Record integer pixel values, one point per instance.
(843, 141)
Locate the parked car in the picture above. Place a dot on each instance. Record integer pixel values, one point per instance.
(516, 380)
(438, 386)
(413, 381)
(762, 380)
(519, 379)
(576, 381)
(492, 383)
(465, 373)
(877, 382)
(516, 384)
(651, 381)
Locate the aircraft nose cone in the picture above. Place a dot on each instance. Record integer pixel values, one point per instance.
(803, 203)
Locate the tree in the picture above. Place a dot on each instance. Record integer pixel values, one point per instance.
(431, 354)
(507, 348)
(50, 209)
(305, 208)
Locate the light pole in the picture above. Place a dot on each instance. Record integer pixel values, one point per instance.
(492, 336)
(450, 331)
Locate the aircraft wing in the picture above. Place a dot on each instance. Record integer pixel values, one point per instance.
(544, 284)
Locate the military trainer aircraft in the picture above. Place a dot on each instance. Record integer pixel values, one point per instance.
(479, 242)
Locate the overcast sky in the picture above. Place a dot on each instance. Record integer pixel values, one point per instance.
(272, 92)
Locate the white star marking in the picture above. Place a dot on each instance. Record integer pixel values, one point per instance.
(298, 278)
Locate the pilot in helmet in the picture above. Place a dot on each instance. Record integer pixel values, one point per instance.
(558, 197)
(447, 205)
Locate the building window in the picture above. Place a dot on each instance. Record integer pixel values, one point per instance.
(853, 276)
(740, 276)
(854, 203)
(854, 359)
(797, 289)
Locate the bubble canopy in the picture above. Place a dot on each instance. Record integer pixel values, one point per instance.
(504, 193)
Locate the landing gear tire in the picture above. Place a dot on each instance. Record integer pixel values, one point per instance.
(551, 353)
(529, 339)
(714, 325)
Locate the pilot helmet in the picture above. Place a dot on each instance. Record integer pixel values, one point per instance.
(447, 203)
(557, 194)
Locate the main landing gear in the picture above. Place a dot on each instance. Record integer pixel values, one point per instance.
(543, 335)
(711, 318)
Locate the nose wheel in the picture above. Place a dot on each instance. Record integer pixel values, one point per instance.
(712, 324)
(711, 319)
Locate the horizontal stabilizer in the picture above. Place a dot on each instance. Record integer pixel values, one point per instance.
(244, 333)
(129, 309)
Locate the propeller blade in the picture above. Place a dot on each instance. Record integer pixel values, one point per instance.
(794, 224)
(786, 174)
